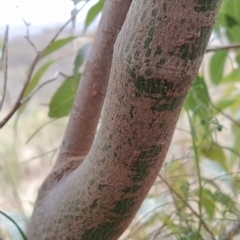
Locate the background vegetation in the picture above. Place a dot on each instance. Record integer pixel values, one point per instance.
(196, 195)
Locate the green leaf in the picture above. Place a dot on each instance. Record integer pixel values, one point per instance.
(236, 182)
(230, 21)
(226, 20)
(62, 101)
(215, 154)
(34, 82)
(224, 200)
(208, 202)
(93, 12)
(233, 77)
(185, 188)
(81, 56)
(198, 99)
(233, 34)
(237, 58)
(36, 78)
(57, 45)
(217, 66)
(231, 10)
(224, 103)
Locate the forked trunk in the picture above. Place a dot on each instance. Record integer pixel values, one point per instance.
(156, 57)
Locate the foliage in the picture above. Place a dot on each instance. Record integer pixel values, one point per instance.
(198, 196)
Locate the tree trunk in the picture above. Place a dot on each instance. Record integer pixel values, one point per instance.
(156, 57)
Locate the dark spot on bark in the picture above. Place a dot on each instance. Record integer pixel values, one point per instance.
(94, 204)
(147, 42)
(206, 5)
(158, 51)
(161, 62)
(148, 53)
(131, 112)
(151, 32)
(154, 12)
(102, 186)
(104, 231)
(136, 55)
(106, 147)
(169, 106)
(164, 7)
(134, 188)
(182, 21)
(123, 206)
(149, 72)
(145, 160)
(143, 16)
(184, 50)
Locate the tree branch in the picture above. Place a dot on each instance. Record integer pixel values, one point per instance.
(27, 24)
(229, 47)
(4, 64)
(231, 232)
(39, 87)
(89, 100)
(157, 54)
(227, 116)
(18, 102)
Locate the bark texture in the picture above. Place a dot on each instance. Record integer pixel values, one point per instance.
(89, 100)
(156, 57)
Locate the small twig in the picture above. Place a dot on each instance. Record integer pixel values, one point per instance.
(18, 102)
(229, 47)
(66, 23)
(27, 37)
(19, 99)
(227, 116)
(4, 63)
(231, 232)
(27, 24)
(39, 87)
(192, 210)
(36, 157)
(14, 223)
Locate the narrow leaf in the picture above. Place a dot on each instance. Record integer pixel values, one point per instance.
(34, 82)
(56, 45)
(215, 154)
(208, 202)
(93, 12)
(233, 77)
(224, 200)
(230, 21)
(198, 99)
(217, 66)
(81, 56)
(37, 77)
(62, 101)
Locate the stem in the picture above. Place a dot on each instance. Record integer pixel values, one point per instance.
(192, 210)
(198, 173)
(229, 47)
(19, 229)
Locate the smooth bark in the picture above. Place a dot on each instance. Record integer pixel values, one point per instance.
(156, 57)
(92, 90)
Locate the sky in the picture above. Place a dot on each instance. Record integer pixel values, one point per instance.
(37, 12)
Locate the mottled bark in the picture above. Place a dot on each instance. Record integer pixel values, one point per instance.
(156, 57)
